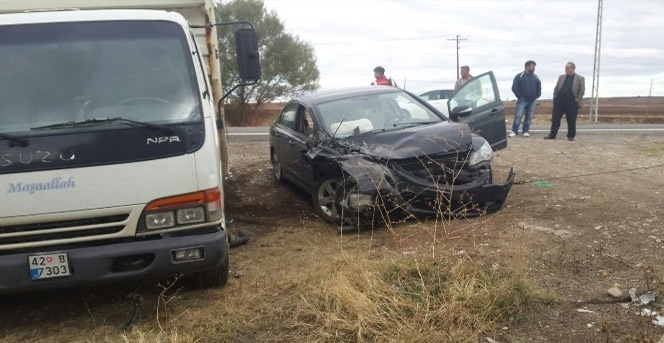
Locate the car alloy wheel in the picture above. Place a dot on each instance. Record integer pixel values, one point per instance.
(325, 198)
(276, 167)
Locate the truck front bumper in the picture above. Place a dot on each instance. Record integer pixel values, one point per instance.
(118, 262)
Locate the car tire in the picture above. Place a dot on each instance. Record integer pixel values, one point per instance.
(216, 277)
(326, 199)
(276, 167)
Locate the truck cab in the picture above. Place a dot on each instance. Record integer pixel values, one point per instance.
(110, 162)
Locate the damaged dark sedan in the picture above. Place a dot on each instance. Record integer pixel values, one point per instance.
(369, 154)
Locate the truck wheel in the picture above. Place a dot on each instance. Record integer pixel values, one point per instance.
(216, 277)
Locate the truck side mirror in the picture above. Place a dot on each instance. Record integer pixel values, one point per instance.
(247, 54)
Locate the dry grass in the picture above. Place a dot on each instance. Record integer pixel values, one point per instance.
(355, 290)
(351, 290)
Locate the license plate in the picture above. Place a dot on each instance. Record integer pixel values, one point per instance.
(48, 266)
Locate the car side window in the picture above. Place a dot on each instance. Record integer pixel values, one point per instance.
(289, 115)
(471, 93)
(426, 96)
(305, 121)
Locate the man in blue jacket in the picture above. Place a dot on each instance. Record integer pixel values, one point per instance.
(527, 88)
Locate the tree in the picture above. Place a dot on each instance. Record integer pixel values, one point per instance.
(288, 65)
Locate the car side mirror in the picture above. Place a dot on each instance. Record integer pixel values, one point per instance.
(460, 111)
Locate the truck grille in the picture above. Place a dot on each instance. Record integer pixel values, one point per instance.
(76, 228)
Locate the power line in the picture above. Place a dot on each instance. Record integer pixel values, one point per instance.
(661, 165)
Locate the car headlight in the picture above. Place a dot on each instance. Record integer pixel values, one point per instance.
(483, 154)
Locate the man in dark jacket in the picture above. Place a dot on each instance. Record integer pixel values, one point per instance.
(567, 96)
(527, 88)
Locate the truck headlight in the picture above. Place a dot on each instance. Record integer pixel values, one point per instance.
(159, 220)
(191, 215)
(484, 154)
(186, 209)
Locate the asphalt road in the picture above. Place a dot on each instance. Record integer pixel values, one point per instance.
(254, 133)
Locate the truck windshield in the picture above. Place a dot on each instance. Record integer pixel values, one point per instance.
(69, 72)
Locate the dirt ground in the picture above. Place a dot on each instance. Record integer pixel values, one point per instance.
(582, 217)
(586, 215)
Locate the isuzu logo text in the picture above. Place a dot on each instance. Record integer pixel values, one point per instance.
(39, 156)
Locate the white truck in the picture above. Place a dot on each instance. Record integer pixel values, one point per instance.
(110, 162)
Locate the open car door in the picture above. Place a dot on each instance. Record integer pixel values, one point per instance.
(478, 104)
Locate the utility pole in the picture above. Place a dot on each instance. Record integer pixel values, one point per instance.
(594, 99)
(457, 39)
(649, 97)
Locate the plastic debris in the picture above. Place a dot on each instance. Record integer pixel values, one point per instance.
(632, 294)
(659, 321)
(648, 297)
(543, 184)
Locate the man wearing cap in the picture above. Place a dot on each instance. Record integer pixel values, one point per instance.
(381, 80)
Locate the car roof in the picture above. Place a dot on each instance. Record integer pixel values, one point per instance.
(444, 90)
(343, 93)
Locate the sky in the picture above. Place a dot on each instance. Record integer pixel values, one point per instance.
(415, 41)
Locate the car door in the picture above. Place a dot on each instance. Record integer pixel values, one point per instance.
(282, 136)
(478, 104)
(298, 146)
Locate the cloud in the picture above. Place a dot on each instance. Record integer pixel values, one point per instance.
(415, 41)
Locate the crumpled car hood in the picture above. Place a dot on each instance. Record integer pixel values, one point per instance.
(413, 141)
(385, 165)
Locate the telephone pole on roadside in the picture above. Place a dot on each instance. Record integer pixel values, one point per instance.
(594, 99)
(457, 39)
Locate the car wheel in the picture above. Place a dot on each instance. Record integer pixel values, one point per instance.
(216, 277)
(276, 167)
(326, 202)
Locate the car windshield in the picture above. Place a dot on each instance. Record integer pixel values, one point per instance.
(69, 72)
(374, 113)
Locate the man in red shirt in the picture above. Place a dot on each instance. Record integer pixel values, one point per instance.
(381, 80)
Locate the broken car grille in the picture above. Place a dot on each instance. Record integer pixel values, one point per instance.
(446, 169)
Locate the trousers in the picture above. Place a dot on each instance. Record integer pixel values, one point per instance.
(527, 107)
(570, 109)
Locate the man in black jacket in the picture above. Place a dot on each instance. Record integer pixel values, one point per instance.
(527, 88)
(567, 96)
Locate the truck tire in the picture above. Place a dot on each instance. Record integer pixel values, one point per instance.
(216, 277)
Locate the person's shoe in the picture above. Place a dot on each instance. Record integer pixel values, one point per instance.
(549, 137)
(526, 134)
(571, 139)
(512, 134)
